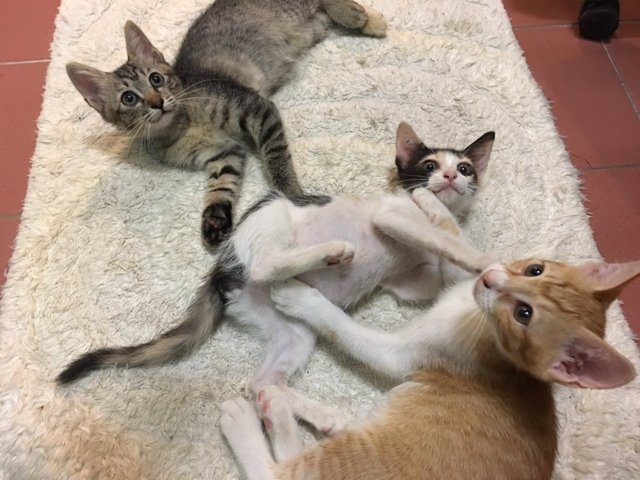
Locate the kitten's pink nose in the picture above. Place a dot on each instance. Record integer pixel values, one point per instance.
(494, 278)
(450, 175)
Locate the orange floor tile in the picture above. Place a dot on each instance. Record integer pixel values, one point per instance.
(594, 89)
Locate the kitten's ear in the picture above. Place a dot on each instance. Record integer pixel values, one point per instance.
(139, 49)
(407, 144)
(480, 151)
(587, 361)
(608, 280)
(92, 83)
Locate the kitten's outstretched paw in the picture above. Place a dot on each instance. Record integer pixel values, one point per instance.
(238, 419)
(216, 223)
(294, 298)
(340, 253)
(376, 26)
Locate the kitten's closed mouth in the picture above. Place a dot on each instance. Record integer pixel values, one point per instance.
(447, 188)
(162, 118)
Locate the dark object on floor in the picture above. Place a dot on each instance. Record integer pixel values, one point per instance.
(598, 18)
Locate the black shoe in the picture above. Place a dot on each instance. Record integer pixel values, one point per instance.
(598, 18)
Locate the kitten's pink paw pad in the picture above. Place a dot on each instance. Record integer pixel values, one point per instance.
(342, 253)
(274, 410)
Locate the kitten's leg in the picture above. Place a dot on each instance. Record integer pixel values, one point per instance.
(280, 265)
(280, 423)
(439, 215)
(225, 171)
(289, 346)
(351, 14)
(241, 427)
(408, 225)
(260, 119)
(393, 354)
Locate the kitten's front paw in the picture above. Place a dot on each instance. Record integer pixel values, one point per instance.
(216, 223)
(429, 203)
(340, 253)
(293, 297)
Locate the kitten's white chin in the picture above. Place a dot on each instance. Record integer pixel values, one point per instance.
(164, 120)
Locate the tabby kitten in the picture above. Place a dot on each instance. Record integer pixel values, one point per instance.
(280, 238)
(210, 108)
(476, 402)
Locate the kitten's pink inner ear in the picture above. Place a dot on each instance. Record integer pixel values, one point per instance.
(407, 143)
(589, 362)
(480, 151)
(139, 48)
(89, 82)
(609, 279)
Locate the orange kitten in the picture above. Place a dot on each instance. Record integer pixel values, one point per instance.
(478, 403)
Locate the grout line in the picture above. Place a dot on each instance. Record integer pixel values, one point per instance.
(25, 62)
(622, 82)
(610, 167)
(533, 26)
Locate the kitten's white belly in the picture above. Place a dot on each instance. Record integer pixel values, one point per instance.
(376, 257)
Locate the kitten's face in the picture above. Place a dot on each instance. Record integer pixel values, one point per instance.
(145, 95)
(140, 96)
(448, 174)
(549, 319)
(452, 175)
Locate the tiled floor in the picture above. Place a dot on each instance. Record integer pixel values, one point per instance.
(594, 89)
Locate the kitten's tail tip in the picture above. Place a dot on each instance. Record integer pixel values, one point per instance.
(80, 368)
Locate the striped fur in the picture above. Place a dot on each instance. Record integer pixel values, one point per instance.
(211, 108)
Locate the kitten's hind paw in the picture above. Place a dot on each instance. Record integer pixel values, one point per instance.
(376, 26)
(216, 223)
(340, 253)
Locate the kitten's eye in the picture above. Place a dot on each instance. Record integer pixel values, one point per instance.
(465, 169)
(156, 80)
(523, 313)
(430, 166)
(129, 99)
(534, 270)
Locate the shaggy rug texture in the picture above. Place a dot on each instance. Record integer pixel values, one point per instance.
(109, 250)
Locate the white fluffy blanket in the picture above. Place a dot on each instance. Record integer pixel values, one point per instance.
(109, 250)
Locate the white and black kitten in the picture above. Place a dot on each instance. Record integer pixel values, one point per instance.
(332, 243)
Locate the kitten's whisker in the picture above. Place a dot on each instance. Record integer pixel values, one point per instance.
(480, 320)
(140, 125)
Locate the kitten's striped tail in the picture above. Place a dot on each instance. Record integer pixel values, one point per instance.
(202, 318)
